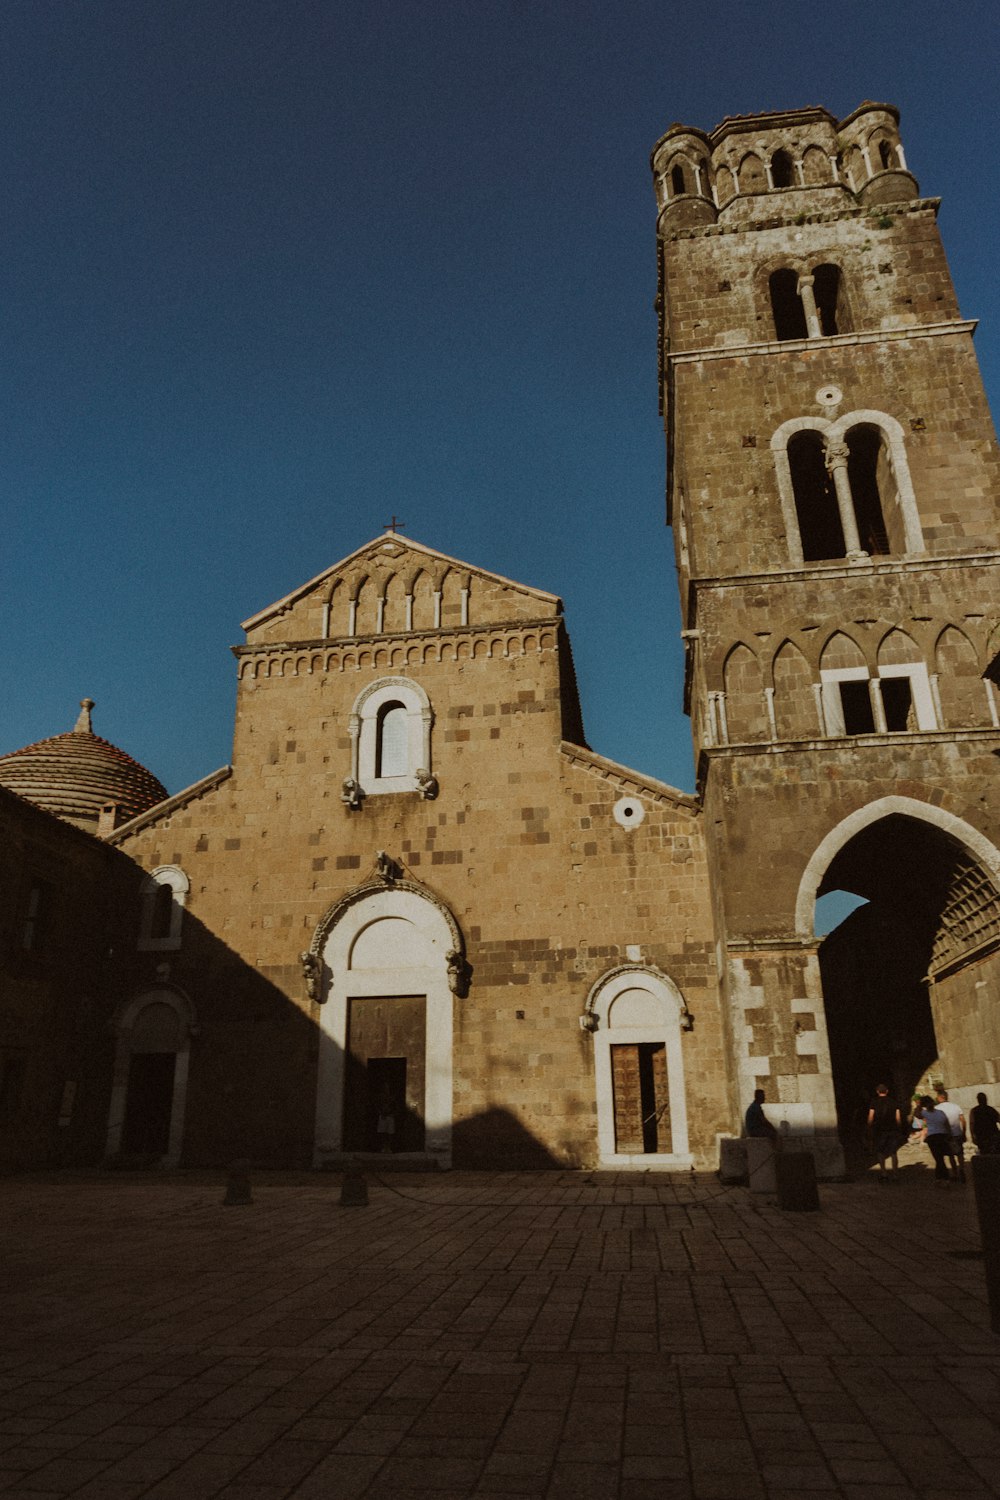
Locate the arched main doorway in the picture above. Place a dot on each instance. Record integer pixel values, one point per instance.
(911, 979)
(392, 964)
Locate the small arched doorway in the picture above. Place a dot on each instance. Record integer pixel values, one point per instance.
(149, 1085)
(637, 1015)
(393, 961)
(911, 978)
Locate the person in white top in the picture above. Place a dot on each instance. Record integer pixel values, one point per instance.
(956, 1121)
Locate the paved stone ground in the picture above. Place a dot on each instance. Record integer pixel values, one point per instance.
(562, 1336)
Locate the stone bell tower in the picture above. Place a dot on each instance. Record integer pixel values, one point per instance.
(833, 492)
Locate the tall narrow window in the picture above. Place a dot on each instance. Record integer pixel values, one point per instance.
(164, 894)
(33, 925)
(786, 305)
(826, 290)
(856, 705)
(677, 182)
(782, 170)
(886, 156)
(865, 445)
(161, 917)
(391, 741)
(897, 700)
(820, 530)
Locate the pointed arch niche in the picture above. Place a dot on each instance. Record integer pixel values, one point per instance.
(391, 956)
(639, 1069)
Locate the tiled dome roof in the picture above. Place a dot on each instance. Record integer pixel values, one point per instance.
(74, 775)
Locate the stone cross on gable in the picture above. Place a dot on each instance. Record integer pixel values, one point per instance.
(394, 525)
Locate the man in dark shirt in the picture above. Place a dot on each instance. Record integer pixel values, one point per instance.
(984, 1122)
(885, 1127)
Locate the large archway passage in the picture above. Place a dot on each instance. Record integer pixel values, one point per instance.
(910, 978)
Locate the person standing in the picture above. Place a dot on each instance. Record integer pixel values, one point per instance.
(956, 1123)
(985, 1125)
(885, 1126)
(937, 1134)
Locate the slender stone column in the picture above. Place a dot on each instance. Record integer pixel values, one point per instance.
(809, 307)
(837, 455)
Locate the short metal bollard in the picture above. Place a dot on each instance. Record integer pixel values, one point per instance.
(986, 1181)
(796, 1178)
(354, 1188)
(238, 1186)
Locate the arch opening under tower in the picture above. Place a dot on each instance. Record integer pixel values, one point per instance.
(910, 978)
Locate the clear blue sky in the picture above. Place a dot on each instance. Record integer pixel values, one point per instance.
(274, 271)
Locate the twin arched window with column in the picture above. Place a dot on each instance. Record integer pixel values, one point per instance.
(845, 488)
(808, 304)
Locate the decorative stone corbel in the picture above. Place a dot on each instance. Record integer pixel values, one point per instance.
(459, 973)
(387, 868)
(352, 794)
(427, 785)
(312, 973)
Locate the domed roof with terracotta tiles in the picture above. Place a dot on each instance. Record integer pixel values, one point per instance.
(74, 775)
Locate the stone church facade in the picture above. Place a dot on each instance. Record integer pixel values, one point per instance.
(418, 912)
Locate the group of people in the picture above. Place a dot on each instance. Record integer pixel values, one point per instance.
(936, 1121)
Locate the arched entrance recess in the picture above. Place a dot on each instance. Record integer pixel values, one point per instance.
(911, 980)
(637, 1014)
(392, 964)
(149, 1085)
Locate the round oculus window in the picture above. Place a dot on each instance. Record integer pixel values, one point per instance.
(628, 812)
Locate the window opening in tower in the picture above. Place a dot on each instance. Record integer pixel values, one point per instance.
(786, 305)
(820, 529)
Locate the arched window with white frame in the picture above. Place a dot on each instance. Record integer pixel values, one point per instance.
(390, 728)
(163, 897)
(845, 488)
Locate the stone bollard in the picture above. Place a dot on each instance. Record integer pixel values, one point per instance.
(760, 1164)
(986, 1181)
(795, 1172)
(354, 1188)
(238, 1185)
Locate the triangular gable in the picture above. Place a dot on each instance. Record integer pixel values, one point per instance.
(389, 563)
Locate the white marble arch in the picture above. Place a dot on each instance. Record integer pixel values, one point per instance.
(963, 833)
(389, 941)
(173, 1016)
(634, 1005)
(835, 432)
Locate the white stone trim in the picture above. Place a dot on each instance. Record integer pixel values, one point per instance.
(836, 432)
(173, 877)
(123, 1022)
(363, 729)
(603, 995)
(343, 984)
(976, 843)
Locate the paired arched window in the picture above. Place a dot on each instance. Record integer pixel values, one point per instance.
(807, 305)
(390, 730)
(845, 488)
(163, 898)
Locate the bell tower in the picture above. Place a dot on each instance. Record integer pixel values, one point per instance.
(833, 485)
